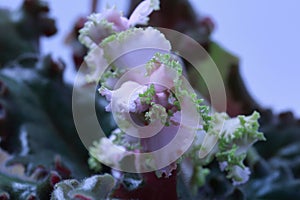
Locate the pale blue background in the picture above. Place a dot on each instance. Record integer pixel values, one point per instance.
(264, 34)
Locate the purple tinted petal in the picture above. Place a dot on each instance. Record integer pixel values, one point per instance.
(114, 16)
(160, 140)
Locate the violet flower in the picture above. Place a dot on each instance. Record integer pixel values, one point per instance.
(152, 101)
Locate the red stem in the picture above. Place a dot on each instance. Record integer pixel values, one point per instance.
(154, 188)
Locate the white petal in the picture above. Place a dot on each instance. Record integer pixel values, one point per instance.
(142, 11)
(97, 63)
(134, 47)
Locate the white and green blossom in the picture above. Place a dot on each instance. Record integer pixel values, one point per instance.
(228, 141)
(108, 153)
(101, 25)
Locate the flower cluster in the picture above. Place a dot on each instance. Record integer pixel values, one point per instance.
(154, 105)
